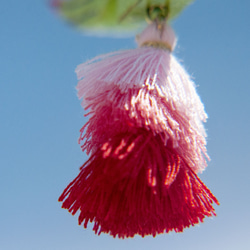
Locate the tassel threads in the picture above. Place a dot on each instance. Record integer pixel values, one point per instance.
(124, 194)
(142, 108)
(146, 141)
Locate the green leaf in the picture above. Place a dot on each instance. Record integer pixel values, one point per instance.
(114, 14)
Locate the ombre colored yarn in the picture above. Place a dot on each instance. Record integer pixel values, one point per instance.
(150, 86)
(145, 109)
(146, 141)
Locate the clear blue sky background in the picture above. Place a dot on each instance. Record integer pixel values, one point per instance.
(40, 118)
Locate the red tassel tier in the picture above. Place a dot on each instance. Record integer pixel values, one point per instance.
(134, 184)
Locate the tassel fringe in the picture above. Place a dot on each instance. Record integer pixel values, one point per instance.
(124, 195)
(154, 68)
(146, 142)
(113, 111)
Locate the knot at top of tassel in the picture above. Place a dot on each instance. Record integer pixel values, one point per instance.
(158, 35)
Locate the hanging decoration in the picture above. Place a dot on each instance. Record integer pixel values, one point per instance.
(145, 137)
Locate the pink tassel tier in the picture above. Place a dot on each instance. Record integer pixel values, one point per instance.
(146, 141)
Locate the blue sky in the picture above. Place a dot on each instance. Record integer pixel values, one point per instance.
(41, 116)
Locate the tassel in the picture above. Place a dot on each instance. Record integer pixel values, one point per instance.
(146, 142)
